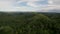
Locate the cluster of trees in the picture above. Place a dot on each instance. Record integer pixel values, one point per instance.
(29, 23)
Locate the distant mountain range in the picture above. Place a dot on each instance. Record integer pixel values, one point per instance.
(55, 10)
(41, 11)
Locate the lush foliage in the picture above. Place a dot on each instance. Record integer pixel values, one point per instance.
(29, 23)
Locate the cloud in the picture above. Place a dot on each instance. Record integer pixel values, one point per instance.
(28, 5)
(28, 2)
(57, 2)
(14, 5)
(26, 9)
(7, 5)
(33, 3)
(52, 4)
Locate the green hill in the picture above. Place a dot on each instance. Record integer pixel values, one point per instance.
(29, 23)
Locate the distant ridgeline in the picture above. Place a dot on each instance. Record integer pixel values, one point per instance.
(29, 23)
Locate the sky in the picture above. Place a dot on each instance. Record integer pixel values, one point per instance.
(29, 5)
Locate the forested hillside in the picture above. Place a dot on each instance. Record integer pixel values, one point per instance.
(29, 23)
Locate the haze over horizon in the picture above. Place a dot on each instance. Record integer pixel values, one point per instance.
(29, 5)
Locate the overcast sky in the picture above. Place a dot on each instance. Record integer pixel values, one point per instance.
(28, 5)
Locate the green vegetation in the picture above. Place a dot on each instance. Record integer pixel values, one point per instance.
(29, 23)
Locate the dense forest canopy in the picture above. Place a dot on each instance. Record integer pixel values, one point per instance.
(29, 23)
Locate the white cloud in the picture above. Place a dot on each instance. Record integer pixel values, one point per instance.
(7, 5)
(50, 1)
(52, 4)
(26, 9)
(31, 3)
(12, 5)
